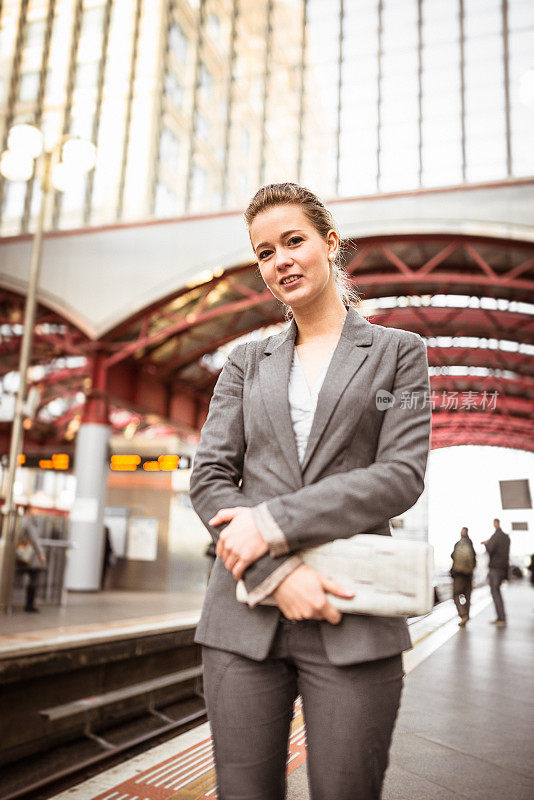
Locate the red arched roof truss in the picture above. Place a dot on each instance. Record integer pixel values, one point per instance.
(154, 361)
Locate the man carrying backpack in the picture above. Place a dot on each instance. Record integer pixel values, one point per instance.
(463, 564)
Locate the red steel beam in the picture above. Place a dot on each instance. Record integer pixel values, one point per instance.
(189, 357)
(517, 362)
(500, 430)
(447, 394)
(435, 321)
(412, 276)
(515, 387)
(152, 309)
(480, 420)
(501, 243)
(436, 260)
(483, 439)
(382, 284)
(62, 375)
(182, 325)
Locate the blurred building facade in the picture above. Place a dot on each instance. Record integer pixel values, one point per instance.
(194, 103)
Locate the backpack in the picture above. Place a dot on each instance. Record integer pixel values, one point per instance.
(463, 560)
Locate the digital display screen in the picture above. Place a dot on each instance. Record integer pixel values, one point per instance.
(515, 494)
(118, 463)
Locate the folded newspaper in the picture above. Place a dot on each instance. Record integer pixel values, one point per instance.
(390, 577)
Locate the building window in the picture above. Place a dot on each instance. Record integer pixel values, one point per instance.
(213, 26)
(165, 205)
(205, 81)
(91, 33)
(203, 127)
(243, 182)
(29, 87)
(73, 198)
(522, 86)
(82, 124)
(87, 75)
(169, 149)
(198, 183)
(484, 92)
(35, 34)
(178, 42)
(245, 141)
(14, 199)
(174, 90)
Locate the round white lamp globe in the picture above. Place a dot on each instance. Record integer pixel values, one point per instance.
(79, 154)
(16, 167)
(25, 139)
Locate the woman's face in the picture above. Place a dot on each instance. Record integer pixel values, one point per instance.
(286, 244)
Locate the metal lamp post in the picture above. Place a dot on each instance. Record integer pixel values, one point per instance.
(25, 144)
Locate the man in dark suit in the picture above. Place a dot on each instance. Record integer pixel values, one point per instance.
(498, 547)
(463, 564)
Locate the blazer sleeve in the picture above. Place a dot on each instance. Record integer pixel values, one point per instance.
(341, 505)
(218, 466)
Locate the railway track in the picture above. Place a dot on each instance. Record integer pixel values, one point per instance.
(67, 713)
(43, 775)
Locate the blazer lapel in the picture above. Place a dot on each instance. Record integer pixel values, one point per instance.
(274, 378)
(350, 353)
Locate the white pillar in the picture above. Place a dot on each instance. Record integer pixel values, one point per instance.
(84, 563)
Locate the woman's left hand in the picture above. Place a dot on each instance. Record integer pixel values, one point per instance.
(240, 543)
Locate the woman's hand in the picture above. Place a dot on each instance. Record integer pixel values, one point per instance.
(240, 543)
(302, 595)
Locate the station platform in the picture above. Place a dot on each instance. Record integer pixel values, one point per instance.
(96, 617)
(464, 728)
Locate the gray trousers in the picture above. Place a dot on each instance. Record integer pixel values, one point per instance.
(349, 713)
(496, 577)
(462, 585)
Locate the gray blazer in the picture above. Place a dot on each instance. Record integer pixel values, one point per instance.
(364, 463)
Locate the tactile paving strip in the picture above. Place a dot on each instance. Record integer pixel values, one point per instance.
(191, 774)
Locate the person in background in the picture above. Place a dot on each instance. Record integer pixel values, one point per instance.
(109, 557)
(531, 569)
(498, 547)
(464, 561)
(30, 557)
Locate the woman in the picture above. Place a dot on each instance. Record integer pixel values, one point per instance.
(30, 557)
(308, 439)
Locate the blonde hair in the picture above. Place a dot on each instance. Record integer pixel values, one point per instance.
(278, 194)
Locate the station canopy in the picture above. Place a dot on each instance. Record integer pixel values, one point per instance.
(470, 297)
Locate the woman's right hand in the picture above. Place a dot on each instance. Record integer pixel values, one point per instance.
(302, 595)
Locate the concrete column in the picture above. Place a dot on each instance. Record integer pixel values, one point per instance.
(86, 532)
(87, 516)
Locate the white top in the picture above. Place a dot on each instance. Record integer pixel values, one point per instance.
(302, 401)
(302, 404)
